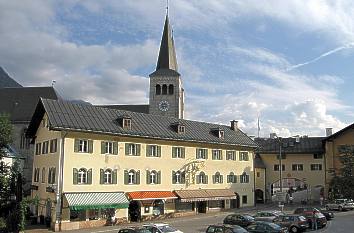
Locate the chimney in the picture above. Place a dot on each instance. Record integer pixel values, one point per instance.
(328, 132)
(234, 125)
(272, 135)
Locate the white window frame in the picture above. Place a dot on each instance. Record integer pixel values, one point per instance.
(297, 167)
(217, 178)
(153, 150)
(108, 176)
(83, 146)
(231, 155)
(108, 147)
(132, 149)
(201, 153)
(217, 154)
(178, 177)
(153, 177)
(244, 178)
(244, 156)
(82, 176)
(127, 123)
(131, 177)
(316, 167)
(178, 152)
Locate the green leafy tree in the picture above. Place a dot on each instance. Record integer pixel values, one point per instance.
(5, 133)
(343, 182)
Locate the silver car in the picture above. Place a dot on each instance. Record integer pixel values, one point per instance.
(340, 204)
(267, 216)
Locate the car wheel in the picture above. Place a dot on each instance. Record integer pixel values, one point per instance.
(327, 207)
(340, 208)
(294, 229)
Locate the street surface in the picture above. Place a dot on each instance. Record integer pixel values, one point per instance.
(342, 223)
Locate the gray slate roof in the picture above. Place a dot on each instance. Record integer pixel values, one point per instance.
(64, 115)
(6, 80)
(20, 102)
(290, 146)
(142, 108)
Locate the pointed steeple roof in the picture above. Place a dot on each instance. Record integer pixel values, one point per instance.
(167, 60)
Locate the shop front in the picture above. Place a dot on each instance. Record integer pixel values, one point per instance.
(145, 205)
(92, 209)
(204, 200)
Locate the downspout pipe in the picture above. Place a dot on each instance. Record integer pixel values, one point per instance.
(59, 193)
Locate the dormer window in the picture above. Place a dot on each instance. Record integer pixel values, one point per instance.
(179, 127)
(126, 122)
(220, 133)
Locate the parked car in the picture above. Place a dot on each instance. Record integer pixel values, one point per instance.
(294, 223)
(225, 229)
(267, 216)
(266, 227)
(161, 228)
(309, 210)
(242, 220)
(308, 213)
(340, 204)
(134, 230)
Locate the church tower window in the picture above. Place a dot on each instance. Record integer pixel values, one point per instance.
(170, 89)
(164, 89)
(158, 89)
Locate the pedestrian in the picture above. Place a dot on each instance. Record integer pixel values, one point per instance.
(314, 221)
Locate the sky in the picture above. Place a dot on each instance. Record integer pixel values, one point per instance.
(288, 63)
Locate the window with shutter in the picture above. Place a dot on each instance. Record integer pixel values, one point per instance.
(114, 176)
(75, 176)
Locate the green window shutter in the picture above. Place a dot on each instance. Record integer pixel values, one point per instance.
(213, 155)
(148, 149)
(198, 180)
(76, 145)
(183, 152)
(158, 151)
(54, 173)
(90, 146)
(222, 155)
(126, 148)
(49, 175)
(126, 176)
(158, 180)
(206, 153)
(214, 179)
(173, 152)
(74, 176)
(196, 153)
(183, 177)
(148, 177)
(89, 176)
(221, 179)
(228, 179)
(138, 149)
(137, 177)
(173, 177)
(114, 176)
(206, 179)
(115, 148)
(103, 147)
(101, 176)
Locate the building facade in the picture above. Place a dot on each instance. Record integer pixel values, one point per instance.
(302, 166)
(100, 162)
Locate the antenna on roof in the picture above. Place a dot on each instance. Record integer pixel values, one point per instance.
(167, 7)
(53, 83)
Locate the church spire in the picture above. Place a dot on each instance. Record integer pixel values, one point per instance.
(167, 55)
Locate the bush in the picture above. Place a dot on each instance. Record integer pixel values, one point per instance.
(2, 225)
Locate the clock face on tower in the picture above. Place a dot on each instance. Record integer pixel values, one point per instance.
(164, 106)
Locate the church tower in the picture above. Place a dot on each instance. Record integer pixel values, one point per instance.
(166, 92)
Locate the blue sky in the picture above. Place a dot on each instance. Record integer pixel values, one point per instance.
(288, 62)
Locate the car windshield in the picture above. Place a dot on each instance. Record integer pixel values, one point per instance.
(302, 218)
(167, 228)
(248, 217)
(143, 230)
(274, 226)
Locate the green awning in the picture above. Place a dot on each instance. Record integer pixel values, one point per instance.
(90, 200)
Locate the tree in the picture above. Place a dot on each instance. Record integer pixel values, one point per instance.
(5, 133)
(342, 184)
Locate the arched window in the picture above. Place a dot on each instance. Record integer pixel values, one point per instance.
(231, 178)
(158, 89)
(43, 175)
(202, 178)
(107, 176)
(153, 177)
(82, 176)
(217, 178)
(164, 89)
(131, 176)
(170, 89)
(244, 178)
